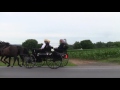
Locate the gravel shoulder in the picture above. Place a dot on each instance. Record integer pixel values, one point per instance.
(79, 62)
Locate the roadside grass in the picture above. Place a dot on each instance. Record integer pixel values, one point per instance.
(109, 60)
(112, 60)
(11, 63)
(16, 63)
(71, 64)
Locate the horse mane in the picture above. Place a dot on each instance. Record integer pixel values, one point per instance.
(7, 44)
(2, 43)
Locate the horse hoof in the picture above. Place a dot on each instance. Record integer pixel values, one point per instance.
(8, 65)
(11, 66)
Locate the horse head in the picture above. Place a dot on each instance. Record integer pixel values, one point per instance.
(4, 44)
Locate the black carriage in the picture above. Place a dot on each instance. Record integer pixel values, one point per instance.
(50, 58)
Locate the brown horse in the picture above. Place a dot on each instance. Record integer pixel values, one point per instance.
(12, 51)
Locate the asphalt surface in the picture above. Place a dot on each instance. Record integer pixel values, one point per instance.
(64, 72)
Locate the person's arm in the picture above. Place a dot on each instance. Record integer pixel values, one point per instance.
(60, 46)
(42, 46)
(51, 46)
(65, 46)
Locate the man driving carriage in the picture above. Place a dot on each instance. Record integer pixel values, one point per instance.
(46, 47)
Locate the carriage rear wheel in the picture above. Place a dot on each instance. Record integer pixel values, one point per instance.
(53, 62)
(65, 60)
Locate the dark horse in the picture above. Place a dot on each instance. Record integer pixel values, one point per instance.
(12, 51)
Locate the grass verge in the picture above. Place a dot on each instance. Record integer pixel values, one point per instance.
(112, 60)
(16, 63)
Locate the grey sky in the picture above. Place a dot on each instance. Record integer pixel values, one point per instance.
(16, 27)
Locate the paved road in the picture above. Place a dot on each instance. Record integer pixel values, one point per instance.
(66, 72)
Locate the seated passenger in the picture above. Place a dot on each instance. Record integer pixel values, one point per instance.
(62, 47)
(46, 47)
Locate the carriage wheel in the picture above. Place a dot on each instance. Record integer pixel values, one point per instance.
(29, 64)
(30, 61)
(65, 60)
(54, 63)
(40, 63)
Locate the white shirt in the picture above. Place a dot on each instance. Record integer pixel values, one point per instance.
(42, 46)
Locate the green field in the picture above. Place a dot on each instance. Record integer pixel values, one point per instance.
(95, 54)
(105, 54)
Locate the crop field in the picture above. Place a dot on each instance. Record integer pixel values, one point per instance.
(95, 54)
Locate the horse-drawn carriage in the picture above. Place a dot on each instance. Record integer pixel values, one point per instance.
(51, 59)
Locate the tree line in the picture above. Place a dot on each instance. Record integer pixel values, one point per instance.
(87, 44)
(84, 44)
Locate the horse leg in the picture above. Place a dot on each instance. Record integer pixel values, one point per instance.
(14, 61)
(22, 60)
(9, 62)
(18, 61)
(1, 60)
(5, 59)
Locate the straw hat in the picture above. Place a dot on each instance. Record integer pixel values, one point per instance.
(46, 40)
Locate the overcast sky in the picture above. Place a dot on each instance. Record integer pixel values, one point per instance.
(16, 27)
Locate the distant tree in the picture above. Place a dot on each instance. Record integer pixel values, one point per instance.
(100, 45)
(70, 46)
(87, 44)
(110, 44)
(30, 43)
(116, 44)
(77, 45)
(39, 45)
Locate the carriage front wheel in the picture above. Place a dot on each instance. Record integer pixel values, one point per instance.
(30, 61)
